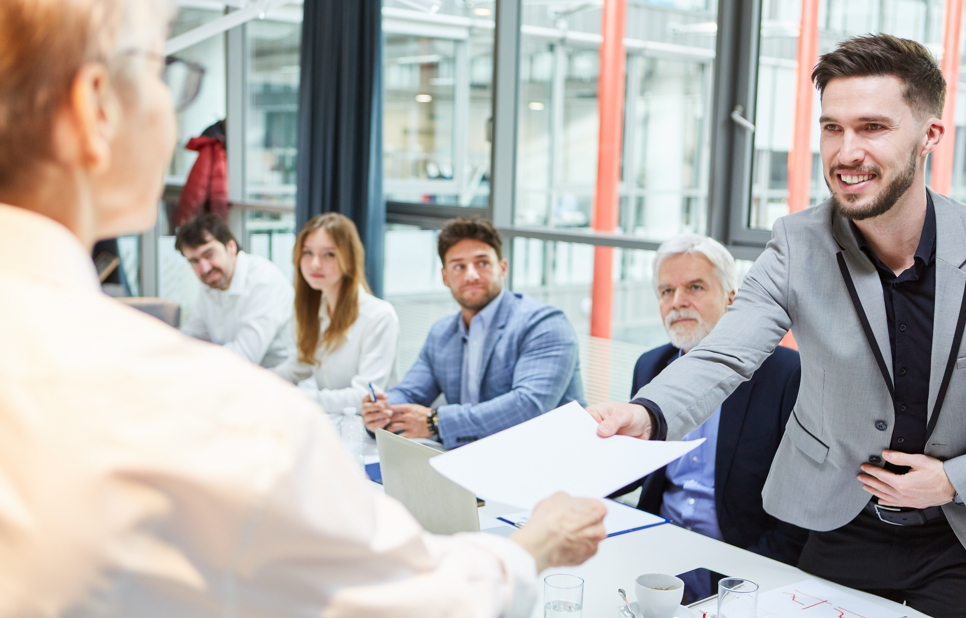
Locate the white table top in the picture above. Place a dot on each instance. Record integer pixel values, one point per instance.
(663, 549)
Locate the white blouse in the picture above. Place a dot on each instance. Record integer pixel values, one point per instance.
(368, 354)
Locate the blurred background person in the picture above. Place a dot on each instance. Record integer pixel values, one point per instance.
(347, 338)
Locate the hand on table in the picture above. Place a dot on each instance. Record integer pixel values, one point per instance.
(410, 419)
(563, 531)
(625, 419)
(924, 485)
(376, 414)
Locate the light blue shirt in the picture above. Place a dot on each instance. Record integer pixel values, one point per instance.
(689, 494)
(473, 338)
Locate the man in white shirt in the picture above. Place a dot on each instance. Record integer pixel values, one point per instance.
(246, 304)
(143, 473)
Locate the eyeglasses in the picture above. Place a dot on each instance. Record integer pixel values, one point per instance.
(182, 77)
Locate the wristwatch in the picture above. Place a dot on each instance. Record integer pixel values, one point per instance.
(432, 422)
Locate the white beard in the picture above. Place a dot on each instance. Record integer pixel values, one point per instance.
(685, 336)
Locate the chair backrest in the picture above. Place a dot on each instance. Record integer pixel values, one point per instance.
(438, 504)
(168, 311)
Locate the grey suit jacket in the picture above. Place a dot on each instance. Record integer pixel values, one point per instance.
(796, 284)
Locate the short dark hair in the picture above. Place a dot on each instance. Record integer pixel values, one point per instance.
(883, 54)
(195, 232)
(472, 228)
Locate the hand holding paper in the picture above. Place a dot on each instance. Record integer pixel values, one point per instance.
(557, 451)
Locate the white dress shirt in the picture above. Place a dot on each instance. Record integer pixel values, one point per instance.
(368, 354)
(253, 317)
(147, 474)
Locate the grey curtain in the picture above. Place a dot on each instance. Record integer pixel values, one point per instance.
(339, 167)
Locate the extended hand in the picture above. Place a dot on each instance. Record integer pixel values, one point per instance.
(924, 485)
(563, 531)
(376, 414)
(625, 419)
(411, 419)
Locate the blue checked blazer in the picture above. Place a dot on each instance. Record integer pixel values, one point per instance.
(531, 366)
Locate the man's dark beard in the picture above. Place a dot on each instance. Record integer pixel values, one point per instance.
(884, 202)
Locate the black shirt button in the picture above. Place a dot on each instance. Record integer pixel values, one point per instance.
(902, 371)
(881, 425)
(902, 328)
(900, 440)
(902, 408)
(875, 459)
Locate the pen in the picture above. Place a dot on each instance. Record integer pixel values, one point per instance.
(372, 393)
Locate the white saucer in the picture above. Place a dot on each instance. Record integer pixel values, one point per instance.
(680, 612)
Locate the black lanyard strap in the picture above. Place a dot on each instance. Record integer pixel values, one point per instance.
(867, 328)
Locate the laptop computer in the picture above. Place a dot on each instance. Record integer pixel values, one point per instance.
(438, 504)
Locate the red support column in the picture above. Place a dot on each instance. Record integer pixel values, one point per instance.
(610, 97)
(942, 157)
(800, 158)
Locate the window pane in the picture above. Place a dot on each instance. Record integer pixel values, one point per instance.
(666, 136)
(272, 236)
(272, 114)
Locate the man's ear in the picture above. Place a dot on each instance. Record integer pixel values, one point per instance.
(935, 129)
(504, 267)
(232, 247)
(445, 277)
(731, 297)
(88, 122)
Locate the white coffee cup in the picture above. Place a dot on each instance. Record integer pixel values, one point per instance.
(658, 595)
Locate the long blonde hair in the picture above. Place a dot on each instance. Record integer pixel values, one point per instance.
(351, 258)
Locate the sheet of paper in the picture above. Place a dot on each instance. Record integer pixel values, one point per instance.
(620, 518)
(556, 451)
(813, 599)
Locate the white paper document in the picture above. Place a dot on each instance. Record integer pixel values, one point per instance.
(813, 599)
(556, 451)
(620, 519)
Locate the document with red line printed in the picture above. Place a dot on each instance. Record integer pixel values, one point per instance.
(813, 599)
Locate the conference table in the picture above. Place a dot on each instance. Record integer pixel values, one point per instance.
(664, 548)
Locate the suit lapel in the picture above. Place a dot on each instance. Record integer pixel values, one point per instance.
(494, 333)
(868, 286)
(950, 282)
(733, 412)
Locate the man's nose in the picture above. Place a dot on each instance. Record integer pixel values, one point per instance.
(853, 149)
(471, 273)
(205, 267)
(681, 299)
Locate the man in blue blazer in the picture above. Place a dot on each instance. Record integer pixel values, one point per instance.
(716, 489)
(503, 359)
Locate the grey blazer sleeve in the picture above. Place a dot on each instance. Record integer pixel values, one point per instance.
(692, 388)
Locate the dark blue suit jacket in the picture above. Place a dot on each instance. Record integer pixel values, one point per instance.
(752, 424)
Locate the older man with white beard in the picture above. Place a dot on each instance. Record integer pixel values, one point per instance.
(716, 490)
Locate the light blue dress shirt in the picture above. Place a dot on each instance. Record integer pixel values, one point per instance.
(473, 338)
(689, 494)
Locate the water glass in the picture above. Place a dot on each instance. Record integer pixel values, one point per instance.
(563, 596)
(737, 598)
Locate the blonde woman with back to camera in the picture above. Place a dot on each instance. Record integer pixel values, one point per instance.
(144, 473)
(345, 337)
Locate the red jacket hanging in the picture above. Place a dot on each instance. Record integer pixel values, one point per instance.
(207, 186)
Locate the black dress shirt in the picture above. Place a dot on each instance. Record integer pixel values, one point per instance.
(910, 302)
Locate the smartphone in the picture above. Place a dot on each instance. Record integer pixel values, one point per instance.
(699, 585)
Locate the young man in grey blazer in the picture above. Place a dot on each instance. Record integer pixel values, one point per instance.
(871, 282)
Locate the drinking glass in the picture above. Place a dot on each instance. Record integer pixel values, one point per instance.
(737, 598)
(563, 596)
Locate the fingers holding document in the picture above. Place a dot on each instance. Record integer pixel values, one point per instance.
(563, 531)
(376, 414)
(625, 419)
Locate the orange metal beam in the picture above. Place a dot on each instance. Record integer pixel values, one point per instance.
(942, 157)
(610, 97)
(800, 158)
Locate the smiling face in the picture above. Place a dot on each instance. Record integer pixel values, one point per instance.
(872, 143)
(473, 273)
(320, 262)
(213, 262)
(691, 298)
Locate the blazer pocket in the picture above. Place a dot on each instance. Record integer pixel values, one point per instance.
(805, 440)
(961, 363)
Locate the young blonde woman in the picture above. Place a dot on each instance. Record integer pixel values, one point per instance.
(346, 337)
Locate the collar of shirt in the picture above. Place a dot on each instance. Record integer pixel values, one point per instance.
(38, 248)
(925, 252)
(239, 278)
(484, 316)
